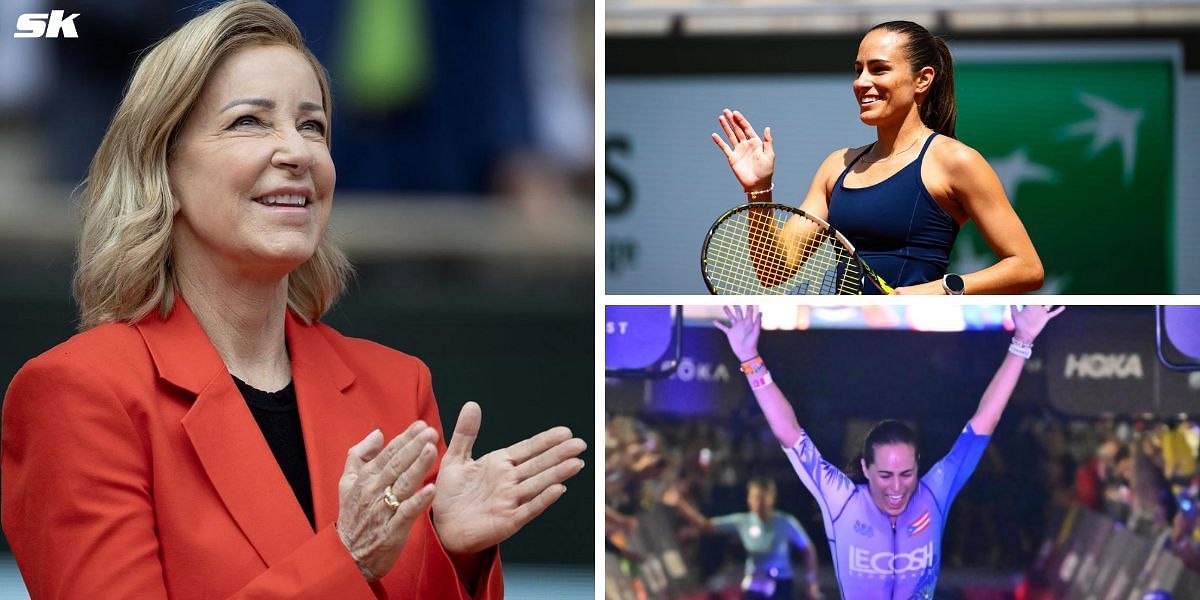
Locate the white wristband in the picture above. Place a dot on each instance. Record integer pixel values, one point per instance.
(1020, 348)
(758, 382)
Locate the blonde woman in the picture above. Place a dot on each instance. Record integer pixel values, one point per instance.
(205, 436)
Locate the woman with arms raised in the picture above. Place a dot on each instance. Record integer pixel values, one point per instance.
(885, 535)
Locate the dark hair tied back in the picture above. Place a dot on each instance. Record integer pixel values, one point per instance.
(886, 433)
(923, 49)
(882, 434)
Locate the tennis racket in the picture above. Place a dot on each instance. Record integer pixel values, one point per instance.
(774, 249)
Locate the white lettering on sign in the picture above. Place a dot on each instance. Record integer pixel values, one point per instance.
(1098, 365)
(617, 327)
(690, 370)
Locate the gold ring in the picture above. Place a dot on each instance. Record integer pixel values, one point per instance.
(390, 499)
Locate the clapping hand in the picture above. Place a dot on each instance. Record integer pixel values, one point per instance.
(372, 530)
(481, 502)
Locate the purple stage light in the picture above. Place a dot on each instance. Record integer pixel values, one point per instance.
(1182, 327)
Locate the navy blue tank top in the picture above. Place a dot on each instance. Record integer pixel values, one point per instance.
(896, 226)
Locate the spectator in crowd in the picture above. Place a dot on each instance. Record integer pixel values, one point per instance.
(1151, 506)
(1179, 457)
(1091, 476)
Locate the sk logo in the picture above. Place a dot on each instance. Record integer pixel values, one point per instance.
(33, 25)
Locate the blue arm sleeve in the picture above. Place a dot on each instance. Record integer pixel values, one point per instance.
(797, 534)
(949, 475)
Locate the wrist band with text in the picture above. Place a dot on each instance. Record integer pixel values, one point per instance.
(754, 365)
(757, 382)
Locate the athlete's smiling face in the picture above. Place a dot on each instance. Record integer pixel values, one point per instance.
(892, 477)
(251, 168)
(885, 86)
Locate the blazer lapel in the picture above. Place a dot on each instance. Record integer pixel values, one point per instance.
(332, 421)
(227, 440)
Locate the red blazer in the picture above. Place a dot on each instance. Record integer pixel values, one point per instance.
(132, 468)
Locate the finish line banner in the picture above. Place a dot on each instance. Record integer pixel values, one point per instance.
(1081, 137)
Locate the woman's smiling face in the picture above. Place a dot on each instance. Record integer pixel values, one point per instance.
(892, 477)
(884, 85)
(251, 168)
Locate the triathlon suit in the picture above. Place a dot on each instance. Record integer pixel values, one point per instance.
(766, 546)
(896, 226)
(873, 558)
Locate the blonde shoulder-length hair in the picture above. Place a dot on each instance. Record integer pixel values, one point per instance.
(124, 268)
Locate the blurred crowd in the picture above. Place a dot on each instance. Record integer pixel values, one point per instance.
(648, 463)
(479, 97)
(1142, 473)
(1139, 473)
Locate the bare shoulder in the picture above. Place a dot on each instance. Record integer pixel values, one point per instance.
(837, 161)
(953, 156)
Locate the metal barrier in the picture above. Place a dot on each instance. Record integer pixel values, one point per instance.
(1092, 557)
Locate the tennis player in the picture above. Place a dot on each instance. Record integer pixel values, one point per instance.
(885, 536)
(902, 199)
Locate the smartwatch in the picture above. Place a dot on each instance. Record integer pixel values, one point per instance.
(953, 284)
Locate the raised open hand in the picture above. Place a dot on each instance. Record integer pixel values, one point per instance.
(742, 331)
(1029, 320)
(751, 158)
(481, 502)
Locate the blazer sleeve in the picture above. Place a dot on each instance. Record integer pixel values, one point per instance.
(77, 504)
(437, 576)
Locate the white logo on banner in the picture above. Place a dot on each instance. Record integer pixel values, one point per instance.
(1103, 366)
(690, 370)
(33, 25)
(886, 563)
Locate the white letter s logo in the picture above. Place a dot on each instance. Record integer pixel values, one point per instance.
(34, 25)
(31, 23)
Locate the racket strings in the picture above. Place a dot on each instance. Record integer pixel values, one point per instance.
(752, 252)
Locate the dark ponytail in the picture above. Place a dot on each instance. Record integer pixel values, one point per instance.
(924, 49)
(882, 434)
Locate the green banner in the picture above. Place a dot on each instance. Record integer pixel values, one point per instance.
(1084, 150)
